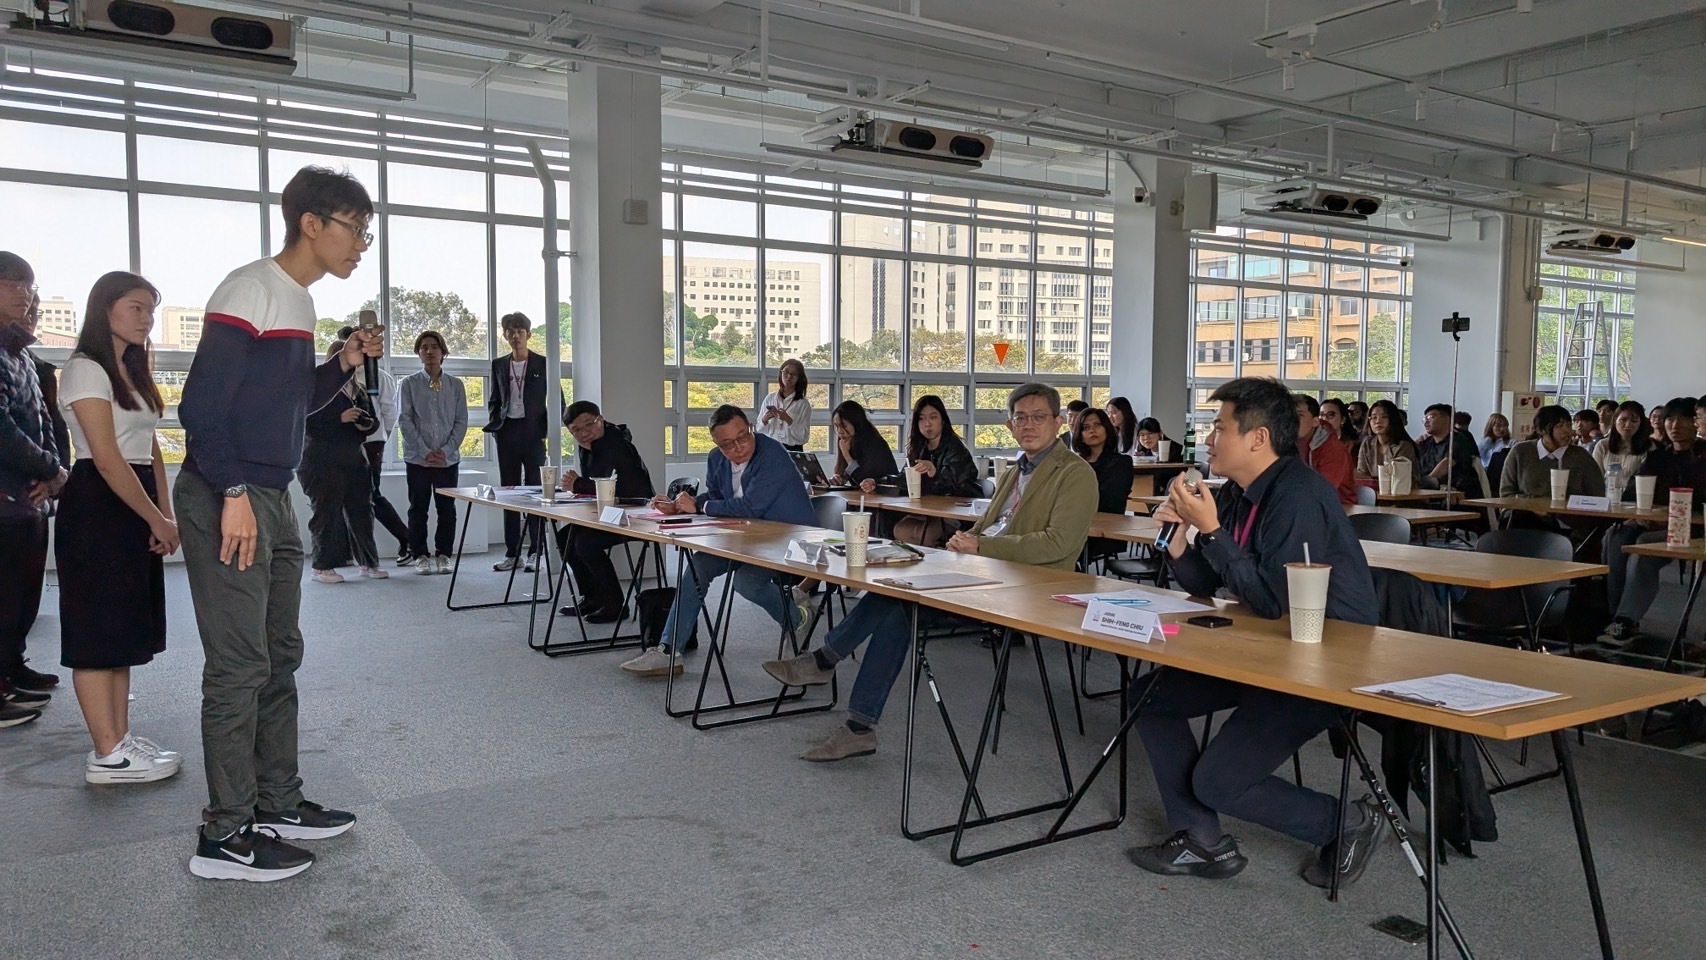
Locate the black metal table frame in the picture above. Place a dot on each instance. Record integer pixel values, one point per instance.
(630, 596)
(456, 569)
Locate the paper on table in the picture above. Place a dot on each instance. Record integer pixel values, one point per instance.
(1157, 603)
(935, 581)
(1460, 694)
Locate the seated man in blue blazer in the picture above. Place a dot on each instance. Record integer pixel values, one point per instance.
(748, 475)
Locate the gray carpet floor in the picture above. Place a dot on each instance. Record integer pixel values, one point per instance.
(516, 806)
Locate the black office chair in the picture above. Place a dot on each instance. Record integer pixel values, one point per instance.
(1516, 613)
(1381, 527)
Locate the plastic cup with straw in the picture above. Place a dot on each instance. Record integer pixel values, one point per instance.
(1306, 583)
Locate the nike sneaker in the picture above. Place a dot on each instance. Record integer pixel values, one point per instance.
(308, 821)
(130, 763)
(249, 853)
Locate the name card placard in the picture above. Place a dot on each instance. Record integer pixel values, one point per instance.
(1582, 501)
(1122, 619)
(615, 515)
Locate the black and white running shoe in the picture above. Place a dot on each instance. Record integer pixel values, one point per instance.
(250, 853)
(309, 821)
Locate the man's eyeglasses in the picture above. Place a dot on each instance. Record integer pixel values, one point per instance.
(1030, 419)
(735, 442)
(356, 231)
(19, 286)
(583, 426)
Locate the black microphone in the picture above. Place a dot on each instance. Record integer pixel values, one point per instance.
(369, 323)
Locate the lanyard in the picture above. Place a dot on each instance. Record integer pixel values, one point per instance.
(1242, 536)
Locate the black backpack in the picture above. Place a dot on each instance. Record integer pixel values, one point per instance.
(653, 611)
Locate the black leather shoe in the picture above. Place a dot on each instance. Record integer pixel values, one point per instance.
(582, 609)
(607, 614)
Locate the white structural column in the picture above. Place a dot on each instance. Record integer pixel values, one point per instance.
(1151, 330)
(1472, 275)
(615, 138)
(1670, 325)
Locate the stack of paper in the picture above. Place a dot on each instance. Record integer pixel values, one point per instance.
(1469, 696)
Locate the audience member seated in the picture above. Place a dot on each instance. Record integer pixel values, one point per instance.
(1634, 581)
(1626, 442)
(1319, 446)
(1495, 436)
(1125, 424)
(1528, 469)
(862, 456)
(1270, 507)
(1587, 429)
(1337, 417)
(945, 467)
(1387, 440)
(1040, 514)
(1093, 439)
(1656, 420)
(606, 450)
(1074, 410)
(1431, 452)
(746, 476)
(1149, 437)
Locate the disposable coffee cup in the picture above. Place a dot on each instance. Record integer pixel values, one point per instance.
(1383, 478)
(914, 482)
(1645, 487)
(1307, 585)
(605, 488)
(856, 529)
(1560, 484)
(1678, 533)
(548, 483)
(1163, 450)
(1000, 468)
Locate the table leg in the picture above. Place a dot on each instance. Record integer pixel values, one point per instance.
(1561, 744)
(1674, 651)
(588, 644)
(1433, 843)
(456, 569)
(920, 670)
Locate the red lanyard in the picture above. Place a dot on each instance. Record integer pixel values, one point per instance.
(1242, 537)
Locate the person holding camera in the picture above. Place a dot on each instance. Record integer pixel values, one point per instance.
(335, 478)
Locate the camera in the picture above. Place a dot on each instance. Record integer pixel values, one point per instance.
(1454, 324)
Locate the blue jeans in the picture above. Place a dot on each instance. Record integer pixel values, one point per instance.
(884, 622)
(1235, 775)
(754, 583)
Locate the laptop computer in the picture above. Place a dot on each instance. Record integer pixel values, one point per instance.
(811, 471)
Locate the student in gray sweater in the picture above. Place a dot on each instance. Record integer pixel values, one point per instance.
(434, 419)
(1528, 468)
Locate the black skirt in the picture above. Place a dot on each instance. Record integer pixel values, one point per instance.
(112, 588)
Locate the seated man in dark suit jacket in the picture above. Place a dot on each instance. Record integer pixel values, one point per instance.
(606, 450)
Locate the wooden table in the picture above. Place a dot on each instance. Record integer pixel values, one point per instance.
(1416, 496)
(1545, 506)
(1465, 568)
(1260, 653)
(1143, 473)
(1418, 516)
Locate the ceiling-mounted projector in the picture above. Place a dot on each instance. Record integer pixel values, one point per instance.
(267, 41)
(1589, 240)
(915, 145)
(1302, 196)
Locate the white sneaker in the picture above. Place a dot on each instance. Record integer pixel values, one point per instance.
(655, 662)
(328, 576)
(507, 564)
(808, 619)
(130, 763)
(153, 749)
(443, 563)
(528, 565)
(374, 573)
(424, 566)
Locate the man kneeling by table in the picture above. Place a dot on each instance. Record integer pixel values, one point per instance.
(1271, 506)
(1040, 514)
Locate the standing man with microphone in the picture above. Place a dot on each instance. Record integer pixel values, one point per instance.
(245, 403)
(387, 406)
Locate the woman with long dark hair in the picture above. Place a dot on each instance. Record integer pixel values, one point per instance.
(1388, 439)
(938, 454)
(1148, 442)
(1125, 422)
(1495, 436)
(1093, 439)
(862, 456)
(1338, 419)
(786, 415)
(1628, 439)
(115, 526)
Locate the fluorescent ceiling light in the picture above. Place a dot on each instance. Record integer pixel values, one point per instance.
(927, 167)
(1329, 224)
(1602, 261)
(901, 22)
(1692, 243)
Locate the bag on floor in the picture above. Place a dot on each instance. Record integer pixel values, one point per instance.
(653, 607)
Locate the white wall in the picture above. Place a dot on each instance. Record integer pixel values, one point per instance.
(1670, 330)
(1152, 267)
(1467, 275)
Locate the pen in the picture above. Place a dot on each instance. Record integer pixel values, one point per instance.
(1411, 698)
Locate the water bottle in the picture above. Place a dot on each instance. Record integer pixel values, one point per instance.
(1614, 481)
(1190, 443)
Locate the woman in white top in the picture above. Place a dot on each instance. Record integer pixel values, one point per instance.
(115, 526)
(1627, 440)
(1495, 436)
(786, 415)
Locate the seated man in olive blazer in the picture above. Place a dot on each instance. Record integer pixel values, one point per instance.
(1040, 514)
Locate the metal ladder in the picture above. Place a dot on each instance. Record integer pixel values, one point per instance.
(1579, 371)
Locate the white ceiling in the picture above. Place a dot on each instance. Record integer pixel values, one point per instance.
(1061, 82)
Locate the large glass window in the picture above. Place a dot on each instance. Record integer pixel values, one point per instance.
(1582, 295)
(1329, 316)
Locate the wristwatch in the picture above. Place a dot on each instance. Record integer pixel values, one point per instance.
(1204, 539)
(236, 491)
